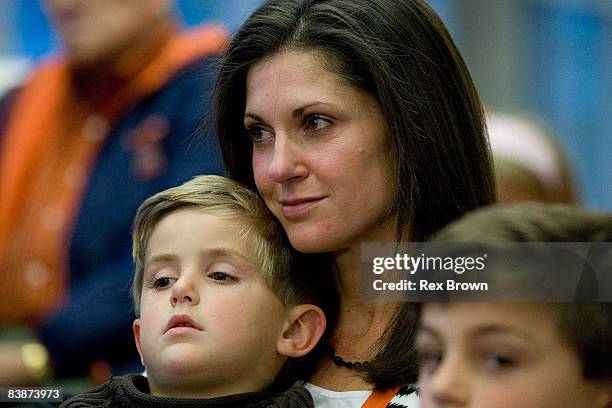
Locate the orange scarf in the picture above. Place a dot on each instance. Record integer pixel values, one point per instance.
(48, 151)
(380, 399)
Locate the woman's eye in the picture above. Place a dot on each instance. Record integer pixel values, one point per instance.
(222, 277)
(314, 123)
(258, 134)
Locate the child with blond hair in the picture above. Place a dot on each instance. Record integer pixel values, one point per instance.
(225, 310)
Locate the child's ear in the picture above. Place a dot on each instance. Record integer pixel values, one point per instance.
(136, 328)
(305, 327)
(604, 397)
(609, 393)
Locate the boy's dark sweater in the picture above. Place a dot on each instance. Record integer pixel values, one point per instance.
(132, 390)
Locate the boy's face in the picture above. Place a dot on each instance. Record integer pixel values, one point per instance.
(209, 325)
(495, 355)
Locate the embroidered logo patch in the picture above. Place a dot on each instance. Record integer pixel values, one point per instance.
(149, 160)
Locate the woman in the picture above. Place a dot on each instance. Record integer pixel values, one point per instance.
(361, 123)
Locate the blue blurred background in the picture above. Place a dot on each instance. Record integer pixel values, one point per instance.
(549, 57)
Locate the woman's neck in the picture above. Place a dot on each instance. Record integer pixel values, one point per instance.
(359, 329)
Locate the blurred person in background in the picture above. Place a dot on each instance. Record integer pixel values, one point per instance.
(87, 137)
(530, 164)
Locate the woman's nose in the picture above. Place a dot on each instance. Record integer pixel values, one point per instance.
(447, 386)
(184, 291)
(288, 161)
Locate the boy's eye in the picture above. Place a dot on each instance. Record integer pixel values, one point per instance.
(499, 361)
(221, 277)
(161, 283)
(314, 123)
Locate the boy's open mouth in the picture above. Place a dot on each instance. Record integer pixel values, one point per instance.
(182, 320)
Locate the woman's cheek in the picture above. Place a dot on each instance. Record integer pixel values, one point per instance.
(260, 174)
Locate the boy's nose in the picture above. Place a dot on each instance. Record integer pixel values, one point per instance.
(447, 386)
(184, 291)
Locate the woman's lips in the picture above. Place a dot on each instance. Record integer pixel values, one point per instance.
(297, 207)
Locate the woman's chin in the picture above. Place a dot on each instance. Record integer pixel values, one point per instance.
(312, 243)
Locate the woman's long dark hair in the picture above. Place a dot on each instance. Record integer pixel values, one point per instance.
(400, 52)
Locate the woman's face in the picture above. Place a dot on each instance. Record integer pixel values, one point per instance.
(321, 154)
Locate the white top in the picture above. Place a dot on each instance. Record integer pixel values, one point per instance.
(324, 398)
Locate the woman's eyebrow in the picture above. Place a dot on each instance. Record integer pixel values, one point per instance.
(253, 116)
(300, 111)
(296, 113)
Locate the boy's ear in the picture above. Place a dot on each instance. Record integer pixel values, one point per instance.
(604, 394)
(609, 394)
(306, 325)
(136, 328)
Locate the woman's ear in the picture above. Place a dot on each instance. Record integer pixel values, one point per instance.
(136, 328)
(305, 326)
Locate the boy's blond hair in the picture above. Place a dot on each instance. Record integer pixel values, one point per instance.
(230, 200)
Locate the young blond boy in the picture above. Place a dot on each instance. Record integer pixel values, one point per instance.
(528, 355)
(222, 302)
